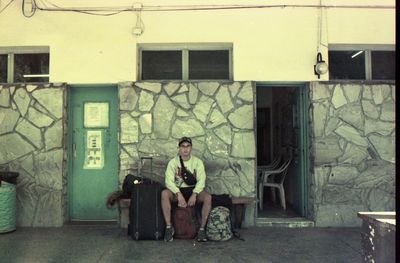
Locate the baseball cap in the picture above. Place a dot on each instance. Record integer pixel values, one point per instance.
(184, 139)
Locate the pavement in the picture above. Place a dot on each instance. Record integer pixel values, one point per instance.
(109, 243)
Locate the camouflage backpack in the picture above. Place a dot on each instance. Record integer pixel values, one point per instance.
(219, 226)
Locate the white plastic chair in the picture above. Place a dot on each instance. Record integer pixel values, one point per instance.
(266, 179)
(271, 166)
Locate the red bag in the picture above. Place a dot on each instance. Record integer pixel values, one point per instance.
(185, 222)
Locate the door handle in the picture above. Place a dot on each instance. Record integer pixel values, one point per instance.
(74, 150)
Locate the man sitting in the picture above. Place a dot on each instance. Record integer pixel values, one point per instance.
(186, 195)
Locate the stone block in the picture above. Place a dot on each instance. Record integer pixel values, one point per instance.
(146, 101)
(388, 112)
(5, 97)
(243, 145)
(12, 147)
(208, 88)
(52, 99)
(246, 93)
(30, 132)
(53, 137)
(129, 129)
(193, 94)
(190, 128)
(146, 123)
(242, 117)
(369, 109)
(171, 87)
(48, 169)
(338, 99)
(224, 100)
(352, 92)
(38, 118)
(162, 117)
(338, 215)
(385, 146)
(127, 98)
(327, 150)
(320, 112)
(154, 87)
(216, 146)
(8, 120)
(353, 115)
(22, 100)
(375, 126)
(181, 100)
(202, 108)
(352, 135)
(224, 133)
(216, 119)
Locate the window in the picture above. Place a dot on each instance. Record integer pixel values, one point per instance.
(185, 62)
(3, 68)
(362, 62)
(24, 64)
(161, 65)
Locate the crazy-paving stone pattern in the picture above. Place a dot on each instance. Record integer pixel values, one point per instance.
(31, 143)
(353, 148)
(218, 116)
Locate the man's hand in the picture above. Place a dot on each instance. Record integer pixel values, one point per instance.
(192, 200)
(181, 200)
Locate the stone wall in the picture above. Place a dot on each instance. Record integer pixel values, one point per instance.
(218, 116)
(32, 133)
(353, 151)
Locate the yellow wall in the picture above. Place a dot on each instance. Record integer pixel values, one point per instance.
(270, 44)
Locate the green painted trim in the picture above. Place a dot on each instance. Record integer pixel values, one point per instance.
(305, 143)
(304, 102)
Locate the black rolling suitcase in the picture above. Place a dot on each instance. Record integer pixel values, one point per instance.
(146, 221)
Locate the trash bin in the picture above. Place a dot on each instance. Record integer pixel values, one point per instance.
(8, 201)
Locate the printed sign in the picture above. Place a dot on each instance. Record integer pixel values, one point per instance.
(96, 114)
(94, 154)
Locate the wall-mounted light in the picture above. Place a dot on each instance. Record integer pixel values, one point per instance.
(321, 67)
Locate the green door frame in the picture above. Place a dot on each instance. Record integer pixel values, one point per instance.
(303, 115)
(70, 137)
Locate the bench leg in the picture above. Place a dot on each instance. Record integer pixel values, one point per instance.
(239, 214)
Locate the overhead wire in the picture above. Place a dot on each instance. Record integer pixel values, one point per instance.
(46, 5)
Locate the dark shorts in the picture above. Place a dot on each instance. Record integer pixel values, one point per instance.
(186, 192)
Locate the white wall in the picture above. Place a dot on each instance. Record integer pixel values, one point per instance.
(269, 44)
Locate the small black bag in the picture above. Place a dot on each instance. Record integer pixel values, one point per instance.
(188, 177)
(130, 181)
(221, 200)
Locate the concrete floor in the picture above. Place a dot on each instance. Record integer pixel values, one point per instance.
(108, 243)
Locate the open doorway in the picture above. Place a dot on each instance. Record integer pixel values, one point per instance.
(282, 140)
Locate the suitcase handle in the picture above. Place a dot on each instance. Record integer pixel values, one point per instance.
(142, 159)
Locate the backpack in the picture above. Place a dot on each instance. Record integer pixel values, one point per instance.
(185, 222)
(219, 225)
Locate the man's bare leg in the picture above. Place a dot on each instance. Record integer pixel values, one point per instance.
(166, 200)
(205, 198)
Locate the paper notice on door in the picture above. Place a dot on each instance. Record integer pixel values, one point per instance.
(94, 153)
(96, 114)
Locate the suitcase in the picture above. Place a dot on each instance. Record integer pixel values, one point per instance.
(146, 221)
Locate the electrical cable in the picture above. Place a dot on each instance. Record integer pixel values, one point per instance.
(32, 11)
(99, 11)
(90, 10)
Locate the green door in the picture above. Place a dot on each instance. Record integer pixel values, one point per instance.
(92, 151)
(300, 151)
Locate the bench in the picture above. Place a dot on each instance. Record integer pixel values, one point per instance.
(239, 209)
